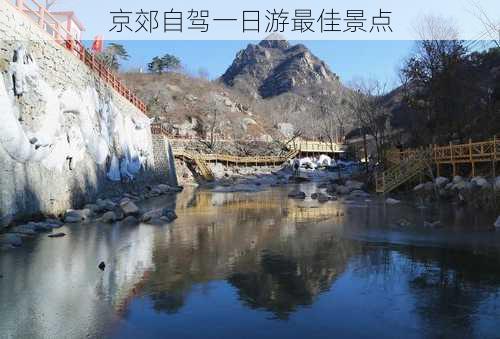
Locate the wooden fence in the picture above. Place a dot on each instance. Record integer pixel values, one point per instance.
(49, 24)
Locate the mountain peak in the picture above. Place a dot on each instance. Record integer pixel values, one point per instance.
(275, 40)
(273, 67)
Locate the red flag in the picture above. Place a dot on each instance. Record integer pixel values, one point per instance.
(97, 45)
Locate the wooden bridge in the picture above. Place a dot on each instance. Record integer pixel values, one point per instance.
(407, 164)
(201, 160)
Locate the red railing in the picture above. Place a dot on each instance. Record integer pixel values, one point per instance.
(46, 21)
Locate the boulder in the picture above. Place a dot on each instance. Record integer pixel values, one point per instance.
(392, 201)
(130, 220)
(28, 229)
(164, 189)
(354, 185)
(93, 207)
(497, 183)
(429, 224)
(297, 195)
(119, 213)
(105, 204)
(418, 188)
(341, 189)
(150, 215)
(109, 217)
(480, 182)
(404, 223)
(497, 223)
(441, 181)
(359, 194)
(57, 235)
(168, 215)
(429, 186)
(54, 222)
(457, 179)
(14, 239)
(323, 197)
(129, 208)
(74, 216)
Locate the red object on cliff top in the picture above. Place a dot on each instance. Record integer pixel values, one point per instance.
(97, 44)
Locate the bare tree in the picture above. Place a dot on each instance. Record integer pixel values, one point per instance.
(370, 114)
(334, 116)
(211, 129)
(492, 28)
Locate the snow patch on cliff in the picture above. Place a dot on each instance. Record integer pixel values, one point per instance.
(67, 124)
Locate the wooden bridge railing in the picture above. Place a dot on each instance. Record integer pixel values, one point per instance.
(470, 152)
(49, 24)
(407, 163)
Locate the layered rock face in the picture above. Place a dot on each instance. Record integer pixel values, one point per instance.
(273, 67)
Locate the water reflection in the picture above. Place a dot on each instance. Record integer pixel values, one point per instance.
(248, 261)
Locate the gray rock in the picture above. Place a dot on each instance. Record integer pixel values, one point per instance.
(105, 204)
(74, 216)
(164, 188)
(14, 239)
(441, 181)
(150, 215)
(28, 229)
(435, 224)
(404, 223)
(354, 185)
(57, 235)
(429, 186)
(418, 188)
(323, 197)
(129, 208)
(130, 220)
(297, 195)
(108, 217)
(119, 213)
(457, 179)
(314, 196)
(168, 215)
(359, 194)
(497, 183)
(392, 201)
(341, 189)
(497, 223)
(93, 207)
(54, 222)
(480, 182)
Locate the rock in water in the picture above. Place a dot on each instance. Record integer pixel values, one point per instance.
(169, 215)
(74, 216)
(297, 195)
(57, 235)
(497, 223)
(129, 208)
(14, 239)
(392, 201)
(441, 181)
(108, 217)
(102, 266)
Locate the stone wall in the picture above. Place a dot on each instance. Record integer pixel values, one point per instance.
(65, 136)
(164, 159)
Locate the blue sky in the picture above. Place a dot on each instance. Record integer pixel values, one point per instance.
(349, 59)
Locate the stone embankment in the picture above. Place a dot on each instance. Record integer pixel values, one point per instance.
(122, 209)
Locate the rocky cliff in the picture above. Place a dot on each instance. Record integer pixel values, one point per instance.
(274, 67)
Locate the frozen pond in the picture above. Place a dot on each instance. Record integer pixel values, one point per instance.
(261, 265)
